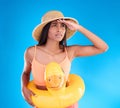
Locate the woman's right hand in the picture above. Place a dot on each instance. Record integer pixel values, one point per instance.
(27, 95)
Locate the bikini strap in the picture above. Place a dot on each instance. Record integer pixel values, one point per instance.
(66, 51)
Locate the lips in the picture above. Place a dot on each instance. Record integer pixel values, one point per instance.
(58, 35)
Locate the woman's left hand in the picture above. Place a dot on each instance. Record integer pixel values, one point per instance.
(70, 24)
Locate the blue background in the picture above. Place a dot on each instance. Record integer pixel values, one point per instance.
(101, 73)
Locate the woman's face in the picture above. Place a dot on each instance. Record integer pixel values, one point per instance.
(56, 31)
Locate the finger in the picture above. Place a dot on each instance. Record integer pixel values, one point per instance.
(32, 93)
(68, 24)
(59, 20)
(30, 101)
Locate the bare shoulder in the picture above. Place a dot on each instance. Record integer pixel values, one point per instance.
(76, 50)
(71, 50)
(29, 53)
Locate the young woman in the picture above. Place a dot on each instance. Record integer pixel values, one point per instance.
(51, 35)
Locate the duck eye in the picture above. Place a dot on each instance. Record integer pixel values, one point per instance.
(49, 80)
(59, 77)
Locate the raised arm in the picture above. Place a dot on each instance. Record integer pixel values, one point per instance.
(98, 46)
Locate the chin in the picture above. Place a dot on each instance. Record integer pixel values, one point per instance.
(60, 39)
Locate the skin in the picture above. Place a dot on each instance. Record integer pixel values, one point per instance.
(56, 34)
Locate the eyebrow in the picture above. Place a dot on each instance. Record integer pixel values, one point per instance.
(54, 22)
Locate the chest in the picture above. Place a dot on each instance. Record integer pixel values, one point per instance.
(45, 58)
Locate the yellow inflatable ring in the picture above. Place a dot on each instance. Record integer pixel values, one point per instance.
(61, 98)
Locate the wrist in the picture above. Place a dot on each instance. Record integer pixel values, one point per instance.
(80, 28)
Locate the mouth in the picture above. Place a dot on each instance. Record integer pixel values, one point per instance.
(59, 35)
(57, 87)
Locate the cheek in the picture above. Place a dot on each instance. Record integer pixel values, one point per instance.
(50, 33)
(64, 31)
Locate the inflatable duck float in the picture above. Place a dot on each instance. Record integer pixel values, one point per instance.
(57, 95)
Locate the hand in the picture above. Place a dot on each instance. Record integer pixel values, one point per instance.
(27, 95)
(70, 24)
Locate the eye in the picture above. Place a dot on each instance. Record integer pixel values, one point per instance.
(49, 80)
(59, 77)
(53, 24)
(63, 25)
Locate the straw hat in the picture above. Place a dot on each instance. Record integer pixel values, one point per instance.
(48, 17)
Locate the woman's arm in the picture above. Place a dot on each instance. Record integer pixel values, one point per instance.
(98, 46)
(25, 78)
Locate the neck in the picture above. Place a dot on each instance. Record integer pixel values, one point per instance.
(52, 45)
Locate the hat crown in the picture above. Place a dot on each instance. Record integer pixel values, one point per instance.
(48, 17)
(52, 15)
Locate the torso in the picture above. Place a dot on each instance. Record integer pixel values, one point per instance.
(41, 54)
(40, 59)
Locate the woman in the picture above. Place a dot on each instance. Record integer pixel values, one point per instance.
(51, 35)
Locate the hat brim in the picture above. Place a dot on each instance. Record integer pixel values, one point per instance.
(38, 29)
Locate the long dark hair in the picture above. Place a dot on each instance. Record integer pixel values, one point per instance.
(44, 36)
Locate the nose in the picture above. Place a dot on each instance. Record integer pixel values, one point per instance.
(59, 28)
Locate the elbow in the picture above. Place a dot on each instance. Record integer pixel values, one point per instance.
(105, 48)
